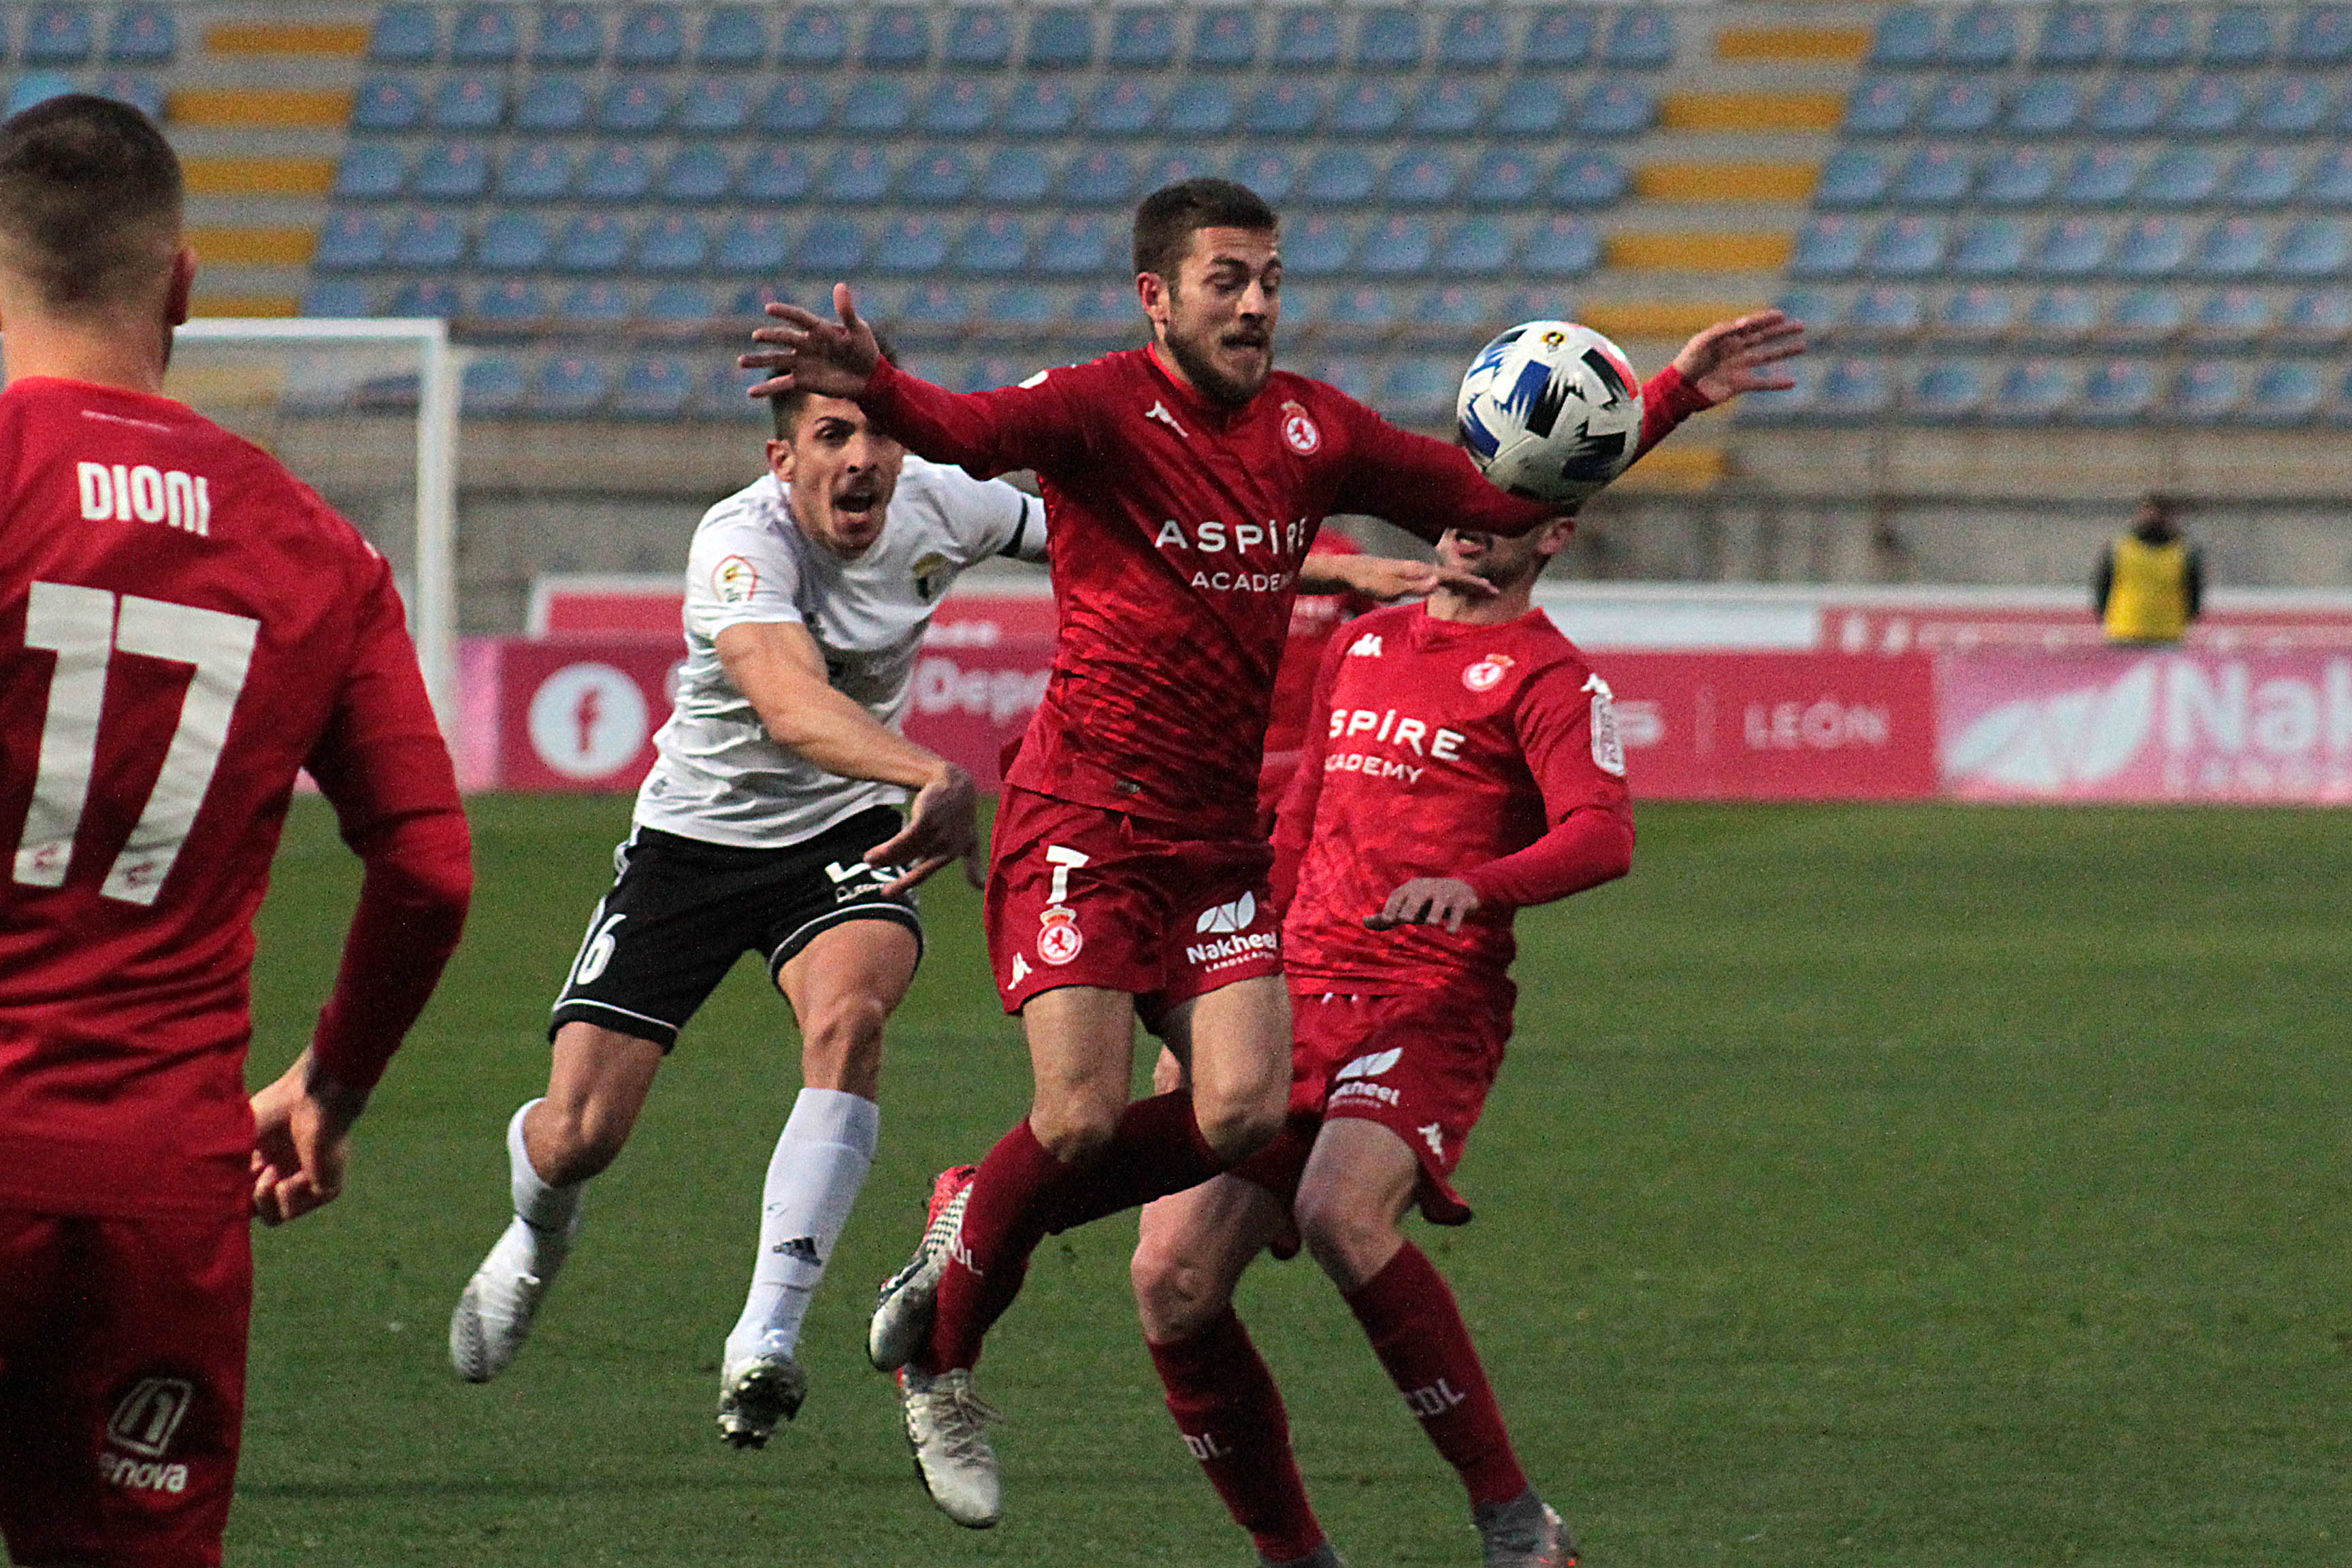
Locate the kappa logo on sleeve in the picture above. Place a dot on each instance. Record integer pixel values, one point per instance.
(734, 580)
(1366, 647)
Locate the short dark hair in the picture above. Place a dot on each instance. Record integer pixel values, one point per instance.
(787, 408)
(90, 201)
(1166, 222)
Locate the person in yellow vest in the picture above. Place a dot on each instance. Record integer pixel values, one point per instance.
(2151, 581)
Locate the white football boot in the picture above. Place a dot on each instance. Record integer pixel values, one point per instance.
(947, 1427)
(1524, 1533)
(757, 1392)
(903, 1309)
(493, 1317)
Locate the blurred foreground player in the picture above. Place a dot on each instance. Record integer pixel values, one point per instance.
(182, 627)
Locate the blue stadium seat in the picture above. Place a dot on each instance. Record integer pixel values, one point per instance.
(56, 36)
(1449, 313)
(513, 242)
(1855, 388)
(1284, 109)
(1990, 248)
(1447, 107)
(2046, 106)
(679, 310)
(603, 303)
(1306, 39)
(2209, 106)
(371, 172)
(695, 175)
(941, 176)
(1854, 177)
(2184, 178)
(897, 38)
(2070, 248)
(36, 86)
(2318, 316)
(2126, 106)
(654, 386)
(832, 247)
(2072, 37)
(634, 106)
(387, 103)
(1143, 38)
(1105, 317)
(1948, 389)
(2155, 37)
(2262, 177)
(988, 374)
(1559, 37)
(339, 299)
(1828, 246)
(2292, 106)
(815, 37)
(569, 36)
(569, 385)
(979, 37)
(1203, 106)
(1338, 178)
(493, 384)
(1881, 106)
(856, 176)
(2232, 248)
(1588, 180)
(877, 106)
(2023, 176)
(1317, 247)
(1061, 37)
(1472, 39)
(1790, 403)
(957, 106)
(2233, 315)
(931, 315)
(1907, 247)
(1122, 106)
(552, 104)
(1015, 176)
(452, 172)
(2034, 392)
(2102, 176)
(653, 37)
(1076, 245)
(2152, 248)
(910, 246)
(1270, 174)
(469, 103)
(1529, 107)
(714, 107)
(753, 243)
(2118, 391)
(616, 172)
(1351, 373)
(2313, 248)
(776, 174)
(993, 246)
(1398, 246)
(404, 36)
(485, 36)
(350, 242)
(1982, 38)
(1419, 393)
(1611, 107)
(673, 243)
(1389, 39)
(722, 397)
(515, 304)
(1174, 168)
(1885, 311)
(1961, 107)
(2286, 392)
(2323, 36)
(1039, 108)
(1420, 179)
(1477, 246)
(142, 93)
(2147, 316)
(2063, 316)
(1022, 314)
(1975, 313)
(1368, 109)
(592, 242)
(2330, 181)
(1818, 308)
(734, 38)
(1561, 246)
(433, 238)
(142, 36)
(1503, 178)
(1641, 38)
(1224, 38)
(1905, 40)
(1934, 176)
(2241, 37)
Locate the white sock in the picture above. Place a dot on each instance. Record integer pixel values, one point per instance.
(546, 1217)
(819, 1165)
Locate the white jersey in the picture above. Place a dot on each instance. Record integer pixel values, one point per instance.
(718, 776)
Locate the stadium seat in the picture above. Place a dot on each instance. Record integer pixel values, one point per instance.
(2330, 181)
(832, 246)
(616, 172)
(2313, 248)
(2209, 106)
(1529, 107)
(431, 238)
(1503, 178)
(1907, 246)
(1420, 392)
(1039, 109)
(957, 106)
(513, 242)
(370, 172)
(993, 245)
(1420, 179)
(1945, 389)
(714, 107)
(1174, 168)
(2147, 316)
(695, 175)
(2070, 248)
(339, 299)
(1905, 39)
(2126, 106)
(1855, 388)
(1224, 38)
(1641, 38)
(2323, 36)
(1306, 39)
(1559, 37)
(514, 304)
(1122, 106)
(1934, 176)
(387, 103)
(2241, 37)
(2023, 176)
(1105, 317)
(1076, 245)
(1389, 39)
(2118, 391)
(1787, 403)
(679, 310)
(1615, 108)
(2232, 248)
(2233, 315)
(1472, 39)
(2184, 178)
(1397, 246)
(2033, 392)
(350, 242)
(897, 38)
(939, 177)
(734, 38)
(1061, 37)
(722, 393)
(1366, 109)
(2292, 106)
(1881, 106)
(1854, 177)
(653, 37)
(56, 36)
(2072, 37)
(1818, 308)
(552, 104)
(142, 93)
(1143, 38)
(1827, 247)
(452, 172)
(673, 243)
(753, 243)
(2062, 316)
(988, 374)
(1015, 176)
(603, 303)
(592, 242)
(2102, 176)
(2152, 248)
(931, 315)
(2262, 177)
(2046, 106)
(469, 103)
(1982, 38)
(856, 176)
(1338, 177)
(2318, 316)
(1351, 373)
(1885, 311)
(2286, 392)
(1284, 109)
(910, 246)
(569, 36)
(404, 36)
(877, 106)
(1975, 313)
(1474, 247)
(492, 384)
(654, 386)
(979, 37)
(485, 36)
(1203, 106)
(142, 36)
(1022, 314)
(1588, 180)
(1317, 247)
(1961, 107)
(569, 386)
(1266, 172)
(1561, 246)
(815, 37)
(776, 174)
(1449, 313)
(36, 86)
(2155, 37)
(1447, 107)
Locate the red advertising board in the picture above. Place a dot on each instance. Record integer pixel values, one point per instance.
(579, 714)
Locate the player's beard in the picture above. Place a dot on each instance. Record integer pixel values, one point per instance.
(1202, 371)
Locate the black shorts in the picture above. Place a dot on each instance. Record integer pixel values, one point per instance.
(682, 911)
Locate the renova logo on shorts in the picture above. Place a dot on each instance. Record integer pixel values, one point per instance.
(1484, 675)
(1239, 915)
(1058, 942)
(147, 1418)
(1371, 1066)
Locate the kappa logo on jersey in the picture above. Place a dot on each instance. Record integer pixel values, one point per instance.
(734, 580)
(1059, 941)
(1484, 675)
(1608, 746)
(1366, 647)
(1299, 430)
(146, 1419)
(1239, 915)
(1159, 411)
(1371, 1066)
(115, 492)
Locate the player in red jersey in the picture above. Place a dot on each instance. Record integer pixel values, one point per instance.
(182, 627)
(1186, 482)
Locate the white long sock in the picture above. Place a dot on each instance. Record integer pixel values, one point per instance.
(813, 1178)
(546, 1217)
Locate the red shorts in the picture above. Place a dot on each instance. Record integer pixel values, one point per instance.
(1081, 896)
(1420, 1063)
(121, 1385)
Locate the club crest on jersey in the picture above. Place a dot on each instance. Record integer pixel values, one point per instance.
(1059, 941)
(1484, 675)
(1299, 430)
(733, 580)
(933, 572)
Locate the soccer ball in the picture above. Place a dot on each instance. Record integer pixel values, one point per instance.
(1552, 411)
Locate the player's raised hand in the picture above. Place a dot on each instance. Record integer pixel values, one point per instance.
(303, 1127)
(1735, 356)
(1428, 901)
(942, 827)
(813, 354)
(1386, 579)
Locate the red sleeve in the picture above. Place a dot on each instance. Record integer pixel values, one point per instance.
(1592, 836)
(1037, 424)
(1666, 401)
(1293, 827)
(1423, 485)
(384, 766)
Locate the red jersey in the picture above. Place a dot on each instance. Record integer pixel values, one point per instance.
(182, 627)
(1444, 749)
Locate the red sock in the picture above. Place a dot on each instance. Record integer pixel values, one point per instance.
(1022, 1192)
(1227, 1407)
(1417, 1332)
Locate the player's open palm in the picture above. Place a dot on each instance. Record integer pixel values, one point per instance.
(1737, 355)
(302, 1146)
(832, 359)
(942, 827)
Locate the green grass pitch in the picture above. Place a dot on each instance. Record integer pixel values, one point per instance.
(1866, 1187)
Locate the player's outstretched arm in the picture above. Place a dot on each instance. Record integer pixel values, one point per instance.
(303, 1127)
(1385, 579)
(1730, 357)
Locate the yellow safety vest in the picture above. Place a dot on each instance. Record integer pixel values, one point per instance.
(2147, 600)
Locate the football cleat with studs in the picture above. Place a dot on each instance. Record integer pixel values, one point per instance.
(756, 1394)
(904, 1307)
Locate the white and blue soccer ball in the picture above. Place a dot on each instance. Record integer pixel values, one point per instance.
(1550, 410)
